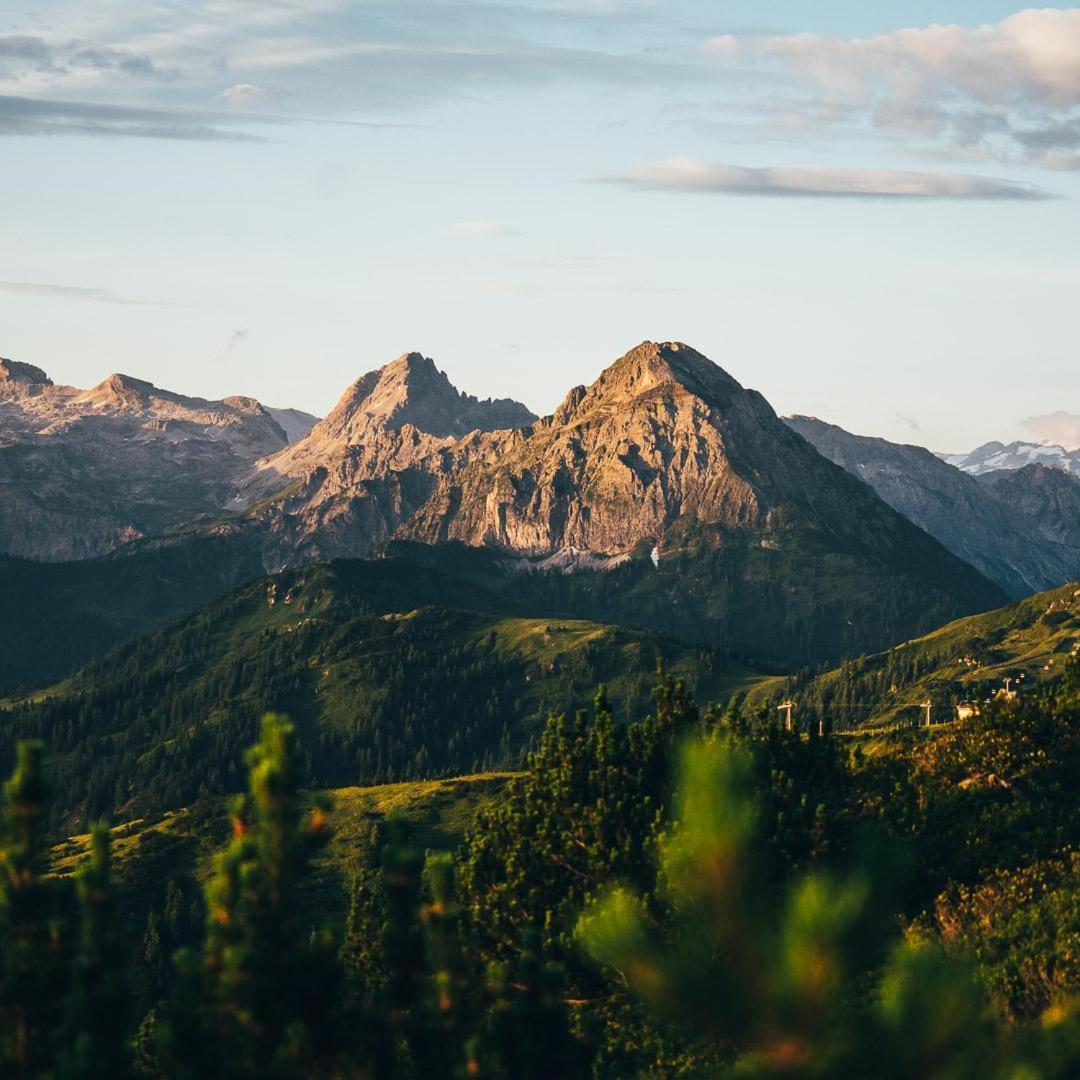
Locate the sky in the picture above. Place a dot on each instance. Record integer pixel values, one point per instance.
(868, 212)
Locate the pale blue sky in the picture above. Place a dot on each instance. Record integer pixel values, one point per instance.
(226, 196)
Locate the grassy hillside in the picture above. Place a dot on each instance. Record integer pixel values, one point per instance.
(148, 851)
(965, 660)
(379, 692)
(162, 861)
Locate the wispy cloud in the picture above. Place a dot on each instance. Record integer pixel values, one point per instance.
(331, 59)
(22, 52)
(691, 175)
(36, 116)
(1010, 90)
(478, 230)
(66, 292)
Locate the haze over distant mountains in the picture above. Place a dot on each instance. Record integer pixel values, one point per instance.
(995, 456)
(1020, 527)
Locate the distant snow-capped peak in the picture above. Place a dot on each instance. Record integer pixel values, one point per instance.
(996, 456)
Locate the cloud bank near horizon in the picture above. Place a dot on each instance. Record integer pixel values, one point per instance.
(1059, 428)
(688, 175)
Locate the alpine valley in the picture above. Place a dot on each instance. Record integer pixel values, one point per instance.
(432, 587)
(664, 495)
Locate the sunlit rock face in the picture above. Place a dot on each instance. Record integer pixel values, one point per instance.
(84, 471)
(663, 444)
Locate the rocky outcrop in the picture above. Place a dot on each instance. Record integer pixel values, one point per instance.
(1047, 500)
(412, 390)
(294, 422)
(1021, 529)
(407, 408)
(85, 471)
(18, 379)
(374, 460)
(665, 450)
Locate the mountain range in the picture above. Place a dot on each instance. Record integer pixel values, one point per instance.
(421, 564)
(1020, 528)
(677, 498)
(662, 442)
(84, 472)
(995, 456)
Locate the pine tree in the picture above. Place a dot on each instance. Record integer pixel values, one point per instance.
(446, 1004)
(268, 1002)
(31, 954)
(777, 975)
(95, 1047)
(528, 1032)
(403, 945)
(584, 814)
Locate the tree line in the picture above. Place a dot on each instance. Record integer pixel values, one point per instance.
(690, 894)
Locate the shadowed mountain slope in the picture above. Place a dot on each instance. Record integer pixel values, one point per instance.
(1021, 529)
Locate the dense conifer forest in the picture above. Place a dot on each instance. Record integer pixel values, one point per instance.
(689, 893)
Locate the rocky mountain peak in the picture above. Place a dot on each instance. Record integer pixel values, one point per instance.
(1011, 524)
(996, 457)
(412, 390)
(119, 391)
(244, 404)
(657, 367)
(14, 371)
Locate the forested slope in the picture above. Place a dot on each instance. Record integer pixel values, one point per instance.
(389, 671)
(965, 660)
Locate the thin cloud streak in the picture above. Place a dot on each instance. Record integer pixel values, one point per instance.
(68, 292)
(36, 116)
(686, 175)
(38, 55)
(39, 117)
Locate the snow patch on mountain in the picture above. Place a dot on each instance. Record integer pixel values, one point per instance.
(997, 457)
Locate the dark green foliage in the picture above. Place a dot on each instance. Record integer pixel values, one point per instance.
(584, 814)
(63, 966)
(773, 973)
(267, 986)
(403, 944)
(97, 1019)
(528, 1030)
(994, 792)
(379, 691)
(745, 920)
(31, 973)
(56, 616)
(1021, 928)
(803, 599)
(966, 660)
